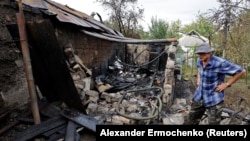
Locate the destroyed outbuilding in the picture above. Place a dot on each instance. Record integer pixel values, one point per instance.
(85, 73)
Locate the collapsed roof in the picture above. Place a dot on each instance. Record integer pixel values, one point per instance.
(88, 24)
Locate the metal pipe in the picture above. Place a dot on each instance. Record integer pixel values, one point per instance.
(27, 63)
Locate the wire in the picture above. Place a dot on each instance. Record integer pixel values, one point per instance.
(135, 66)
(155, 110)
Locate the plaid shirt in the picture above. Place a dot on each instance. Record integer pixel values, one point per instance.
(211, 76)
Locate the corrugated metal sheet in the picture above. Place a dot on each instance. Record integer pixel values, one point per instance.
(35, 3)
(66, 17)
(69, 15)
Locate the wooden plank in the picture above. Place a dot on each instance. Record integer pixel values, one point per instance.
(83, 120)
(36, 130)
(53, 131)
(27, 63)
(70, 131)
(8, 127)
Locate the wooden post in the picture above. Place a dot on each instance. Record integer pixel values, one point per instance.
(246, 73)
(27, 63)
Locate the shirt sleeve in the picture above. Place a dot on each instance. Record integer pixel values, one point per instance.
(229, 68)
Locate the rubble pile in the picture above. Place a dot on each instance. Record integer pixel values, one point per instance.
(123, 96)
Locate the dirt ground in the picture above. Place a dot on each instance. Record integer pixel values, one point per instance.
(238, 96)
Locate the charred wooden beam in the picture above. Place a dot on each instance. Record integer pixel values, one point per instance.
(8, 126)
(36, 130)
(25, 120)
(50, 110)
(27, 63)
(60, 129)
(70, 131)
(56, 137)
(11, 124)
(81, 119)
(4, 115)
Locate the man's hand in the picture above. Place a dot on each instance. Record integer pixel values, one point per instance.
(221, 87)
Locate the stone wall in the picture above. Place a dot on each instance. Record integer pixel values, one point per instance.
(169, 83)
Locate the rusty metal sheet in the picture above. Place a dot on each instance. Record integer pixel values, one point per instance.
(65, 17)
(35, 3)
(67, 14)
(67, 9)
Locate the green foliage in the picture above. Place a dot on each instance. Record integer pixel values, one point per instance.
(175, 29)
(144, 35)
(239, 40)
(160, 29)
(124, 16)
(202, 25)
(232, 37)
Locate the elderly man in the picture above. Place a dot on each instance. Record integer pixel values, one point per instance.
(209, 95)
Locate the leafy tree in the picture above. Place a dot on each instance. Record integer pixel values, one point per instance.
(202, 25)
(160, 29)
(124, 15)
(175, 29)
(239, 39)
(227, 14)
